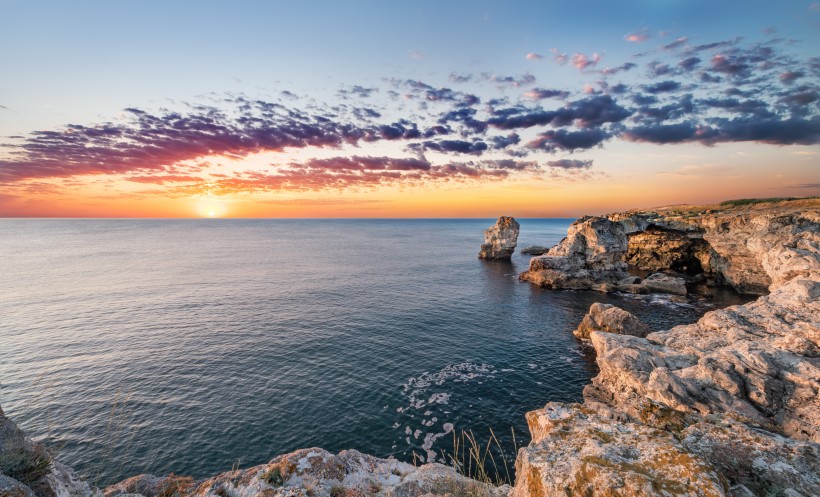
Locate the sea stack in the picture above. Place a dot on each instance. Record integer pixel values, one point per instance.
(500, 239)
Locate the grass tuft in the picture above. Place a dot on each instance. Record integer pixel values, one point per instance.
(24, 463)
(274, 477)
(488, 463)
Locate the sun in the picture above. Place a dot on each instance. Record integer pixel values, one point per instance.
(211, 213)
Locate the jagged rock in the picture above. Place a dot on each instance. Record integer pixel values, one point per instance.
(763, 462)
(591, 253)
(9, 487)
(315, 472)
(575, 451)
(611, 319)
(500, 239)
(535, 250)
(740, 247)
(663, 283)
(22, 459)
(756, 362)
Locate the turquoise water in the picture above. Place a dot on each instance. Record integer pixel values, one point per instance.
(136, 346)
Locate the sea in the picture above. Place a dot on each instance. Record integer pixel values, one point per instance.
(198, 346)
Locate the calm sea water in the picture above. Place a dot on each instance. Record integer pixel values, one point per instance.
(136, 346)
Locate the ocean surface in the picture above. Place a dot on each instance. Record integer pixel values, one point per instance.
(192, 346)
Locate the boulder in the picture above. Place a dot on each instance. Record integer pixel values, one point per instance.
(663, 283)
(610, 319)
(500, 239)
(9, 487)
(575, 451)
(535, 250)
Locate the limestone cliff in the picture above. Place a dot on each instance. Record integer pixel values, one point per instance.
(736, 396)
(732, 245)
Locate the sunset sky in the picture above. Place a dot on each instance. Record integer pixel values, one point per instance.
(403, 109)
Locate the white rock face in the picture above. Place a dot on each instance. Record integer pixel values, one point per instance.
(500, 239)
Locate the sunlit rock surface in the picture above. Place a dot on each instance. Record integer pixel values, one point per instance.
(738, 246)
(316, 472)
(500, 239)
(606, 317)
(575, 451)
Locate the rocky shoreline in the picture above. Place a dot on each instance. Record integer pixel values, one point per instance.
(726, 406)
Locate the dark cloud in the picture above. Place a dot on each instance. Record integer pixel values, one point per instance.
(502, 142)
(774, 131)
(543, 93)
(790, 77)
(627, 66)
(678, 43)
(662, 87)
(570, 164)
(562, 139)
(585, 113)
(689, 63)
(474, 147)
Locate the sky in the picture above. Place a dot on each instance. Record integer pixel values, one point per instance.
(404, 109)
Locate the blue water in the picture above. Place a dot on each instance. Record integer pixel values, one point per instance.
(134, 346)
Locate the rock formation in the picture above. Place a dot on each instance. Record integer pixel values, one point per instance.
(500, 239)
(611, 319)
(735, 396)
(732, 246)
(535, 250)
(27, 468)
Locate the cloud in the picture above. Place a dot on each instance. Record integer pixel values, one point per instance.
(582, 61)
(585, 113)
(415, 54)
(626, 66)
(570, 164)
(790, 77)
(637, 37)
(662, 87)
(543, 93)
(792, 131)
(678, 43)
(689, 63)
(460, 78)
(562, 139)
(533, 56)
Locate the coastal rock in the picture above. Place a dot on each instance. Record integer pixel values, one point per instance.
(611, 319)
(315, 472)
(663, 283)
(575, 451)
(591, 253)
(742, 247)
(32, 465)
(500, 239)
(535, 250)
(9, 487)
(756, 362)
(763, 462)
